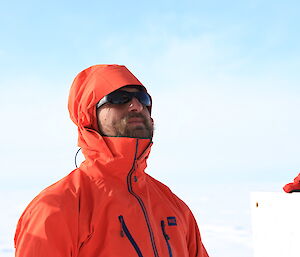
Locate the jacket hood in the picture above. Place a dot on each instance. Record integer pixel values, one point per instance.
(88, 87)
(91, 85)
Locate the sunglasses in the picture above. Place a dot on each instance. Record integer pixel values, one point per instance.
(123, 97)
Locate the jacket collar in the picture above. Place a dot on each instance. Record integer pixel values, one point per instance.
(113, 156)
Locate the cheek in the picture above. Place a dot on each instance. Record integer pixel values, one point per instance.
(103, 117)
(109, 117)
(148, 116)
(149, 120)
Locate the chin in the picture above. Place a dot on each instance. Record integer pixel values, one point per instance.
(140, 132)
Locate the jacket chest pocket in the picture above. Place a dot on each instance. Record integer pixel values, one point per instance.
(129, 236)
(165, 230)
(167, 244)
(171, 222)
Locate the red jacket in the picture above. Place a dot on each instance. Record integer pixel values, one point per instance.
(294, 186)
(108, 207)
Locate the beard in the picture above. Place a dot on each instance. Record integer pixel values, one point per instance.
(124, 129)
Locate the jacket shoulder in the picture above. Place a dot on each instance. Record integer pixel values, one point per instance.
(56, 206)
(57, 194)
(169, 193)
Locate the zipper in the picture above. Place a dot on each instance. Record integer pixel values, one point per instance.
(167, 238)
(129, 236)
(140, 201)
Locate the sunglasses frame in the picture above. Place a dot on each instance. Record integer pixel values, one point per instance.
(140, 95)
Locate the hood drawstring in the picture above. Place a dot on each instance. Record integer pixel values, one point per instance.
(76, 157)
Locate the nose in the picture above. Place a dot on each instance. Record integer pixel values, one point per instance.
(135, 105)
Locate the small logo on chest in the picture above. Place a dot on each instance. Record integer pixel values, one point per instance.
(171, 221)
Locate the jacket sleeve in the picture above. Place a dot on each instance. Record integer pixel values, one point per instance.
(195, 245)
(294, 186)
(47, 228)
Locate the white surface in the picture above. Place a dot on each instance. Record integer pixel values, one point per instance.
(276, 224)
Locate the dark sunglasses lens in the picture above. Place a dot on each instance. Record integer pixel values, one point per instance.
(144, 98)
(119, 97)
(122, 97)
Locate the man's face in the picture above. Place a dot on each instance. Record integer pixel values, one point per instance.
(131, 119)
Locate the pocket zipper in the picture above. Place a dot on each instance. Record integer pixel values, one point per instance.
(129, 236)
(167, 238)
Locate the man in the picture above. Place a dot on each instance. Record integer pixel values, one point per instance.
(109, 207)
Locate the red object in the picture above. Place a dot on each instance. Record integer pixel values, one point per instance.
(109, 206)
(293, 187)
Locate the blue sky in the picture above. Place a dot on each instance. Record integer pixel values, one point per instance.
(75, 34)
(225, 81)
